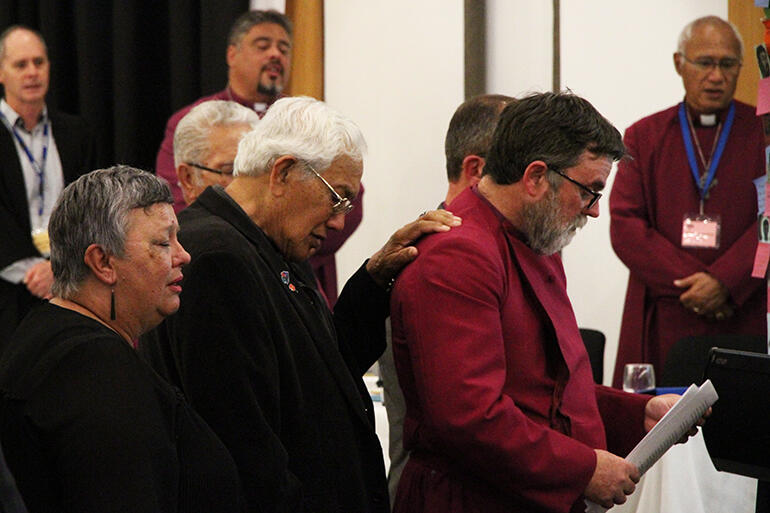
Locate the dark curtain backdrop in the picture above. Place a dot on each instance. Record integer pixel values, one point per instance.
(127, 65)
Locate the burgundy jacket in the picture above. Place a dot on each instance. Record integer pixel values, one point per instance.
(502, 412)
(652, 192)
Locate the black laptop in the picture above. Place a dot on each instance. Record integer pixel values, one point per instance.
(737, 434)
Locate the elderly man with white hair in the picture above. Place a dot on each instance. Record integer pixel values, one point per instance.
(255, 348)
(205, 144)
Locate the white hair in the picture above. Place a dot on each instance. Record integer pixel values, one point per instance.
(686, 34)
(191, 137)
(304, 128)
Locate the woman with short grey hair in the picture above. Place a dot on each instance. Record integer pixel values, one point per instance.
(87, 426)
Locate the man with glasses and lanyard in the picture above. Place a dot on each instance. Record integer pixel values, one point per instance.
(684, 208)
(41, 151)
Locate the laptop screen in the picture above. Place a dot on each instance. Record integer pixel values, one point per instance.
(737, 434)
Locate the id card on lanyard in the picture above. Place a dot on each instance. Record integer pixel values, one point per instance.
(698, 229)
(39, 234)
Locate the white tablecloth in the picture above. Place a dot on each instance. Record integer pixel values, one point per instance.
(381, 424)
(685, 481)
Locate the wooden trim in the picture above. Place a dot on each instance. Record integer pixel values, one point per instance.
(475, 34)
(744, 15)
(556, 60)
(307, 75)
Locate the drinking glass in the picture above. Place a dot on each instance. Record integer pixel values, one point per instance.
(638, 377)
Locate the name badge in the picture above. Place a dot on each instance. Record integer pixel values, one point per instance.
(700, 231)
(41, 242)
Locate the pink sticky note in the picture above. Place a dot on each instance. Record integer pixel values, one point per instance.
(761, 258)
(763, 96)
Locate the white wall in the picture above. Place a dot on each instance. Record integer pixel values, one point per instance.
(617, 54)
(519, 46)
(396, 68)
(626, 70)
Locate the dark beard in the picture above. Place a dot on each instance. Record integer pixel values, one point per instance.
(272, 90)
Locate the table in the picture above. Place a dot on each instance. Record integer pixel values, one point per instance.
(685, 480)
(381, 425)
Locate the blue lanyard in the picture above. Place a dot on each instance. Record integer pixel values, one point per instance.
(703, 186)
(39, 168)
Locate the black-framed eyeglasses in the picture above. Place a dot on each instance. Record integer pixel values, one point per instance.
(585, 193)
(728, 65)
(341, 205)
(223, 172)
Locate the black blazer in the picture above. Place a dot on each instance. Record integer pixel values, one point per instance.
(76, 148)
(275, 374)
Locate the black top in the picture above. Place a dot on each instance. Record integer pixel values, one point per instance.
(87, 426)
(275, 374)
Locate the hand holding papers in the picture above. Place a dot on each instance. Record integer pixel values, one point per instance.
(673, 426)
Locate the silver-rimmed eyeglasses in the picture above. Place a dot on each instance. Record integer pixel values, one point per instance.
(727, 65)
(340, 205)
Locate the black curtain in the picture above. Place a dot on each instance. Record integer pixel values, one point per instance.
(127, 65)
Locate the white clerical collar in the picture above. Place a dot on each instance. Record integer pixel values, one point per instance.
(708, 119)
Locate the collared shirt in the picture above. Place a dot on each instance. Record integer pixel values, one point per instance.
(53, 178)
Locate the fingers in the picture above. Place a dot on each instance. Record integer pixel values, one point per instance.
(386, 263)
(712, 309)
(725, 312)
(39, 279)
(429, 222)
(686, 282)
(38, 288)
(613, 479)
(402, 257)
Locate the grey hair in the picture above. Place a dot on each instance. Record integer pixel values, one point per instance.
(686, 34)
(245, 21)
(556, 128)
(13, 28)
(191, 137)
(94, 210)
(303, 127)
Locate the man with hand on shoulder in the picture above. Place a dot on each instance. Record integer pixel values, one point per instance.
(254, 347)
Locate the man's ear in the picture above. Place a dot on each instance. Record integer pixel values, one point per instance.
(186, 177)
(472, 167)
(534, 181)
(279, 174)
(678, 62)
(100, 264)
(230, 55)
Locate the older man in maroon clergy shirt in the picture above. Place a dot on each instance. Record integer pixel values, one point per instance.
(684, 208)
